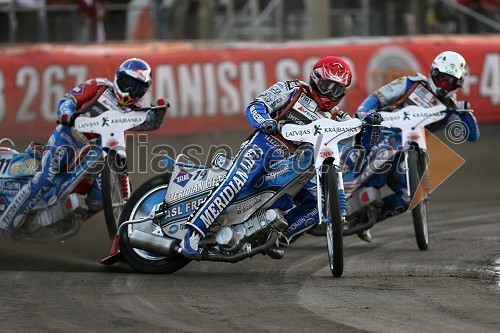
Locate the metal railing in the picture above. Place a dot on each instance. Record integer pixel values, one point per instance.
(256, 20)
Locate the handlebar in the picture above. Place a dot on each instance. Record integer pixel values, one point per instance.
(447, 109)
(75, 115)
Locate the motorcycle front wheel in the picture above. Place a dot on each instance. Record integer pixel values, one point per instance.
(116, 190)
(140, 205)
(416, 169)
(333, 220)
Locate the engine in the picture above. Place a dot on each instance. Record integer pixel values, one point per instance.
(60, 220)
(255, 231)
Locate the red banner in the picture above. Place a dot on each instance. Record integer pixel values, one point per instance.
(209, 88)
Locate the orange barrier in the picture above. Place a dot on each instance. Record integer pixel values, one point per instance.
(210, 86)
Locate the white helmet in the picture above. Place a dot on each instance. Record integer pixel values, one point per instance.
(448, 72)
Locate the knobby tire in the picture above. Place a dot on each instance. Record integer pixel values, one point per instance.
(147, 195)
(416, 169)
(113, 198)
(333, 220)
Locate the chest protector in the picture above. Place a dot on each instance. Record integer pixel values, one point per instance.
(418, 95)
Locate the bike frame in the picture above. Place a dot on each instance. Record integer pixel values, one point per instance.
(411, 120)
(111, 126)
(325, 135)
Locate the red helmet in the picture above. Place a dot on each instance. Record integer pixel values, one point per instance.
(329, 80)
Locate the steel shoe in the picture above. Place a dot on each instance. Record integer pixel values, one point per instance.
(365, 235)
(276, 253)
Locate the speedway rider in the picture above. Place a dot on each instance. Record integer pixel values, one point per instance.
(328, 84)
(447, 75)
(131, 82)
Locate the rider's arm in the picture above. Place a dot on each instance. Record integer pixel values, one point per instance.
(466, 119)
(470, 122)
(264, 108)
(66, 108)
(372, 102)
(154, 120)
(256, 113)
(388, 95)
(78, 96)
(369, 135)
(154, 117)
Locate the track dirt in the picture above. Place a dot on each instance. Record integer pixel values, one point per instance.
(388, 285)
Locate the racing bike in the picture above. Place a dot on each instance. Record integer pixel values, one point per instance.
(408, 122)
(152, 223)
(62, 210)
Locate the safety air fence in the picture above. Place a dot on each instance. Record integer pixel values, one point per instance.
(210, 85)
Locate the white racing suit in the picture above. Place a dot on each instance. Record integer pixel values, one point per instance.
(63, 143)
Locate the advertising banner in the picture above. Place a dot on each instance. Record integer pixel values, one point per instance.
(210, 87)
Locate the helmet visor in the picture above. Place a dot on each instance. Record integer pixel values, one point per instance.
(447, 81)
(134, 87)
(330, 89)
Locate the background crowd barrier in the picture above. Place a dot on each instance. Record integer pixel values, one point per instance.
(209, 86)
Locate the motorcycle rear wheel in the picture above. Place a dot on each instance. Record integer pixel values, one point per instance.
(333, 220)
(416, 169)
(140, 205)
(113, 197)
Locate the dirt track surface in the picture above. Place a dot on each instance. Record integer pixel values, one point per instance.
(388, 285)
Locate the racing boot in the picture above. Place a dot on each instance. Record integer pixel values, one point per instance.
(366, 235)
(275, 253)
(189, 246)
(360, 218)
(318, 230)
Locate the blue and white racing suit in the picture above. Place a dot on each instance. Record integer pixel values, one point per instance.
(261, 150)
(407, 90)
(63, 143)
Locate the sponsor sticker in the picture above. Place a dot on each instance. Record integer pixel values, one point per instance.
(325, 153)
(28, 167)
(173, 229)
(183, 209)
(248, 204)
(423, 97)
(195, 190)
(182, 178)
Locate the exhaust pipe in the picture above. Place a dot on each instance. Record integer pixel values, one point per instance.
(144, 241)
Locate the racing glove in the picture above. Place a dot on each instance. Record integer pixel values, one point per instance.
(269, 126)
(66, 119)
(65, 112)
(160, 103)
(371, 134)
(465, 105)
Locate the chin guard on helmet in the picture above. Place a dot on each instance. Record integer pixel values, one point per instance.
(448, 72)
(329, 80)
(132, 81)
